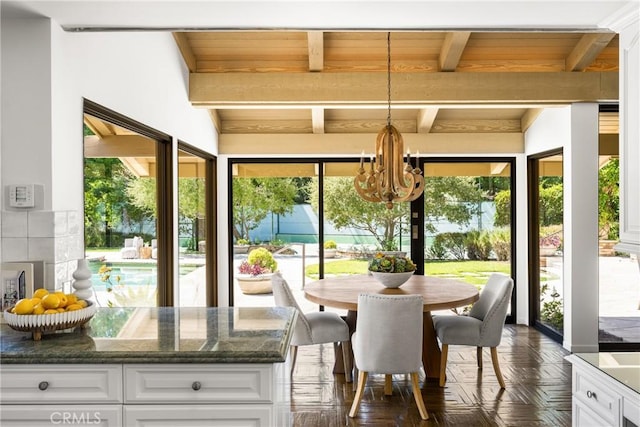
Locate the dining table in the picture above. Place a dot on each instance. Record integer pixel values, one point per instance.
(437, 294)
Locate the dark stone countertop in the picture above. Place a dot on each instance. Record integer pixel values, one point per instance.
(161, 335)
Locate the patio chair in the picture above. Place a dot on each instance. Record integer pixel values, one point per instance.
(130, 250)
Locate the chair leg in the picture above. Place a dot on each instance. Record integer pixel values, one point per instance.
(496, 366)
(443, 364)
(346, 357)
(479, 357)
(388, 386)
(293, 352)
(417, 394)
(355, 378)
(362, 381)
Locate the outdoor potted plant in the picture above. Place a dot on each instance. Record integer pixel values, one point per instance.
(330, 249)
(241, 246)
(390, 270)
(549, 244)
(254, 274)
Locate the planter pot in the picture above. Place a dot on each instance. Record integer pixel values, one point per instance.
(330, 253)
(548, 250)
(606, 247)
(240, 249)
(260, 284)
(392, 280)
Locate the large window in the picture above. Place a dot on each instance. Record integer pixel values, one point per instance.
(468, 219)
(309, 216)
(196, 230)
(546, 197)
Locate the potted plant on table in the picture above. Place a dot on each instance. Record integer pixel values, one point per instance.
(390, 270)
(254, 274)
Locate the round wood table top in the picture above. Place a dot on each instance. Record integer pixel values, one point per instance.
(437, 293)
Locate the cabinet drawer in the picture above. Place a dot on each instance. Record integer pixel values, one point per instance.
(233, 383)
(199, 415)
(51, 415)
(595, 395)
(28, 384)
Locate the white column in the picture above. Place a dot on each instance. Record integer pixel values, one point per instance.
(580, 164)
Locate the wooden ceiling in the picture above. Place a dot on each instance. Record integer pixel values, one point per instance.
(261, 83)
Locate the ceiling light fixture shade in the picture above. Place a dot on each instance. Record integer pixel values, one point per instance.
(389, 179)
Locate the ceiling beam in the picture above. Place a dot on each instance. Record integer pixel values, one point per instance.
(587, 50)
(215, 118)
(315, 40)
(119, 146)
(295, 90)
(187, 52)
(452, 48)
(529, 117)
(426, 117)
(317, 120)
(353, 144)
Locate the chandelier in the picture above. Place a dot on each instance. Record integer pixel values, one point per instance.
(389, 179)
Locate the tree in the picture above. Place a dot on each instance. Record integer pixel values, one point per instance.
(551, 199)
(255, 198)
(453, 198)
(502, 201)
(609, 200)
(107, 206)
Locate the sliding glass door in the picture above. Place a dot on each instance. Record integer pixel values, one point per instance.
(546, 195)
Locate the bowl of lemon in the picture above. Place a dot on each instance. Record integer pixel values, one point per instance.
(49, 311)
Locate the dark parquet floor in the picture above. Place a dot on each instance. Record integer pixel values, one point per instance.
(537, 377)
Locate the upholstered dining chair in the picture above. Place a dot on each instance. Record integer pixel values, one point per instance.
(482, 327)
(313, 328)
(388, 340)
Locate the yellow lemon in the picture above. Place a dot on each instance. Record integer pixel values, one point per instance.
(40, 293)
(63, 299)
(74, 307)
(38, 309)
(71, 299)
(50, 301)
(60, 310)
(24, 306)
(82, 303)
(36, 301)
(51, 311)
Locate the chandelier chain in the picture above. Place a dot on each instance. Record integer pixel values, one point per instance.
(389, 79)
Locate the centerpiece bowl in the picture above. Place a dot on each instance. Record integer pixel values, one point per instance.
(390, 270)
(392, 280)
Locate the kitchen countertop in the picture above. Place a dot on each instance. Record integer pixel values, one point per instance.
(161, 335)
(622, 366)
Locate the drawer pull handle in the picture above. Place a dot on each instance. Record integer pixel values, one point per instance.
(591, 394)
(196, 385)
(43, 385)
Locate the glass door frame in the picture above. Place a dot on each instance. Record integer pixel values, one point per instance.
(211, 229)
(533, 221)
(417, 218)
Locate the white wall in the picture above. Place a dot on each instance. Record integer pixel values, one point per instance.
(575, 130)
(46, 73)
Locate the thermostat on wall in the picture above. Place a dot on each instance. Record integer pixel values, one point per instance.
(21, 196)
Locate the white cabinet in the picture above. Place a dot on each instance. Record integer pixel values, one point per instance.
(629, 139)
(45, 395)
(206, 395)
(599, 400)
(147, 395)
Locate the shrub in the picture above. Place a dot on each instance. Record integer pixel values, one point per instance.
(455, 242)
(478, 245)
(330, 244)
(437, 250)
(501, 242)
(242, 242)
(263, 258)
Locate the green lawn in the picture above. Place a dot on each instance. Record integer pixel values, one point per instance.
(474, 272)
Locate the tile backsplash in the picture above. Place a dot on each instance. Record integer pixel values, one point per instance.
(54, 237)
